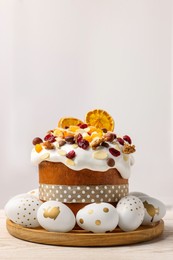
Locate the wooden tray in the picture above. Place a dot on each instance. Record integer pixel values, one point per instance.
(84, 238)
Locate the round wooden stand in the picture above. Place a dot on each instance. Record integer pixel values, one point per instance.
(84, 238)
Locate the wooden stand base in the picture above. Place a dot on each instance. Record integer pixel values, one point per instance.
(84, 238)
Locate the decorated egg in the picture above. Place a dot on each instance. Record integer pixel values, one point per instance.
(155, 210)
(34, 192)
(131, 213)
(56, 216)
(98, 217)
(23, 210)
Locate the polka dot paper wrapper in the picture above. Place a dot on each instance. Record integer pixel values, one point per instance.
(83, 193)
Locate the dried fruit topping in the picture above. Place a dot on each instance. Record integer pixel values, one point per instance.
(70, 139)
(127, 149)
(110, 162)
(73, 128)
(48, 145)
(84, 144)
(105, 144)
(83, 126)
(114, 152)
(109, 137)
(88, 138)
(120, 140)
(50, 138)
(37, 140)
(127, 139)
(61, 143)
(38, 148)
(79, 138)
(69, 121)
(96, 142)
(71, 154)
(100, 119)
(59, 133)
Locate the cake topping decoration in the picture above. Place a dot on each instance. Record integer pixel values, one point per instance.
(96, 146)
(37, 140)
(100, 119)
(100, 155)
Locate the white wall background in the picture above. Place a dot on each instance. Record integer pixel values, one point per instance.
(63, 58)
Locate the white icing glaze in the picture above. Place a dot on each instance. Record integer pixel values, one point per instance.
(84, 159)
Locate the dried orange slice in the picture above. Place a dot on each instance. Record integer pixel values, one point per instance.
(68, 121)
(100, 119)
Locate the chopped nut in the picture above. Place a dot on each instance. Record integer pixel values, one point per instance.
(96, 142)
(48, 145)
(127, 149)
(109, 137)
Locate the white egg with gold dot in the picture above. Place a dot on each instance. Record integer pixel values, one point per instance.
(56, 217)
(22, 210)
(98, 217)
(131, 213)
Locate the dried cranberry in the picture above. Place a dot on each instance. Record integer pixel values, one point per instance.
(114, 152)
(50, 138)
(83, 126)
(79, 138)
(84, 144)
(37, 140)
(120, 141)
(71, 154)
(127, 139)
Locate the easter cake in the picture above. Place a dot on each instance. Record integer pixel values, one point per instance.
(84, 170)
(82, 162)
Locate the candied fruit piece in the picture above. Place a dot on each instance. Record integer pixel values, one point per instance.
(38, 148)
(59, 133)
(73, 128)
(87, 138)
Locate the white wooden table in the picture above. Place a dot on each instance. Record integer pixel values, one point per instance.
(158, 249)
